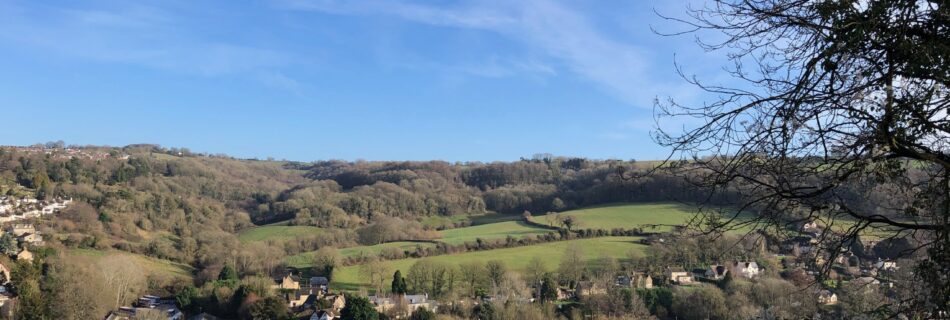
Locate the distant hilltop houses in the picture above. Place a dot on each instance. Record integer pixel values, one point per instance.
(92, 153)
(14, 209)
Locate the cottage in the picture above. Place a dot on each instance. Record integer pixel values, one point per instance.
(827, 298)
(299, 298)
(587, 288)
(564, 294)
(21, 229)
(321, 283)
(323, 315)
(288, 282)
(25, 255)
(336, 301)
(885, 264)
(636, 280)
(413, 301)
(678, 276)
(158, 310)
(715, 272)
(31, 238)
(747, 270)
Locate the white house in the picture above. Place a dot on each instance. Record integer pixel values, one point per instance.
(747, 270)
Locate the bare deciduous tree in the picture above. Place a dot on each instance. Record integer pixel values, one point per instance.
(839, 114)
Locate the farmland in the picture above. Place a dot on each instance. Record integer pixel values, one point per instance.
(491, 231)
(304, 259)
(517, 258)
(625, 215)
(276, 232)
(150, 266)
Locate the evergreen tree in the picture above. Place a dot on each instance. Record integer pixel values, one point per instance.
(422, 314)
(358, 308)
(548, 288)
(228, 276)
(399, 283)
(8, 244)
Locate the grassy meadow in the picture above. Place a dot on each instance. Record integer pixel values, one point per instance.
(348, 278)
(147, 265)
(306, 259)
(276, 232)
(626, 215)
(491, 231)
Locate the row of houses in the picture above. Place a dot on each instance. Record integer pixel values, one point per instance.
(27, 237)
(303, 293)
(745, 269)
(148, 307)
(68, 153)
(13, 209)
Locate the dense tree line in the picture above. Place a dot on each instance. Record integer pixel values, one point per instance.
(344, 194)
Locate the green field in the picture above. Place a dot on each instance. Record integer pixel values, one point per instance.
(474, 220)
(148, 265)
(305, 259)
(627, 216)
(276, 232)
(348, 278)
(491, 231)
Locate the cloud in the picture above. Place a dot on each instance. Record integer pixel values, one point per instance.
(131, 34)
(548, 27)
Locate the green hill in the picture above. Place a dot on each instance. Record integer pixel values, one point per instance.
(349, 278)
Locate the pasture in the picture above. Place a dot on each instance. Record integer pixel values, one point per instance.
(517, 258)
(276, 232)
(104, 259)
(625, 215)
(491, 231)
(305, 259)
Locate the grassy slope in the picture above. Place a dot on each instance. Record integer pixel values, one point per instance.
(276, 232)
(151, 266)
(629, 215)
(498, 230)
(348, 278)
(305, 259)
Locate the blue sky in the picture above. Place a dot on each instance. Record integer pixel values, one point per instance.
(377, 80)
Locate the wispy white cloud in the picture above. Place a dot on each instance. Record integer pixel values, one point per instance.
(135, 35)
(548, 27)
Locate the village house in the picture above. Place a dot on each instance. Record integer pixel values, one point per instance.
(564, 294)
(638, 280)
(678, 276)
(320, 283)
(33, 239)
(827, 298)
(336, 301)
(323, 315)
(287, 282)
(20, 229)
(746, 270)
(588, 288)
(148, 307)
(412, 301)
(299, 298)
(885, 264)
(715, 272)
(25, 255)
